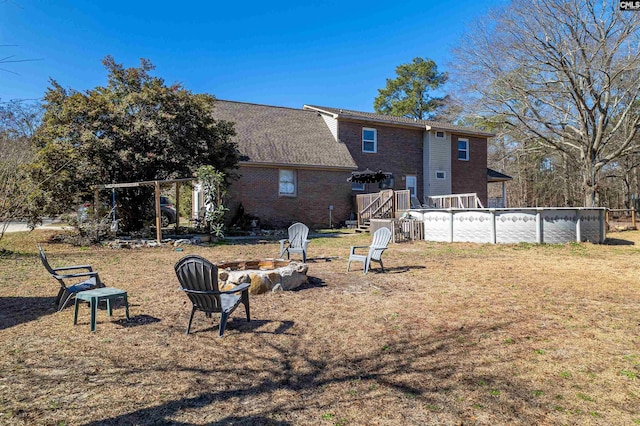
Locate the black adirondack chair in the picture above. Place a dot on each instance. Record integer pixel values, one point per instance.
(199, 280)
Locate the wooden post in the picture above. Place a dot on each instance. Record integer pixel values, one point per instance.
(394, 204)
(156, 184)
(504, 195)
(96, 201)
(177, 205)
(633, 218)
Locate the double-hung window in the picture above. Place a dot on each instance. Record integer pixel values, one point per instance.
(287, 183)
(463, 149)
(369, 140)
(357, 186)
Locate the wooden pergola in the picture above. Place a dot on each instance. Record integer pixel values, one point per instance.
(156, 184)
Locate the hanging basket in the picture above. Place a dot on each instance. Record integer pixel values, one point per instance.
(368, 176)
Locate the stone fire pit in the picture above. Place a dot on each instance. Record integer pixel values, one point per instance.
(264, 275)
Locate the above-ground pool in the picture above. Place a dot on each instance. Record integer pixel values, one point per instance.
(552, 225)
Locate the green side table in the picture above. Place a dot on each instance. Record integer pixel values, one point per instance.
(95, 296)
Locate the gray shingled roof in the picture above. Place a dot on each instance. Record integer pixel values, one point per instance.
(282, 136)
(404, 121)
(496, 176)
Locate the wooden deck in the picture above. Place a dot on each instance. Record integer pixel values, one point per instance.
(402, 230)
(455, 201)
(382, 205)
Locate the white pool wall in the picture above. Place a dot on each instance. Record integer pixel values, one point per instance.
(551, 225)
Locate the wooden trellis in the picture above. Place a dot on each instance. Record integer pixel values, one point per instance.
(156, 184)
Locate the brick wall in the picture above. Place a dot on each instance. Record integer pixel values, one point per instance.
(470, 176)
(258, 187)
(399, 151)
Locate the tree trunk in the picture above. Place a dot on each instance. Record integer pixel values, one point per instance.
(566, 184)
(591, 198)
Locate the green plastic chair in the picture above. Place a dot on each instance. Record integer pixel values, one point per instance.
(68, 292)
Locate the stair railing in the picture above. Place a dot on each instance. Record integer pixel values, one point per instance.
(371, 200)
(380, 205)
(385, 210)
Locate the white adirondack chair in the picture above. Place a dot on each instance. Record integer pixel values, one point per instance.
(380, 242)
(297, 241)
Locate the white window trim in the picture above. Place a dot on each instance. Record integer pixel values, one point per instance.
(440, 137)
(375, 140)
(444, 175)
(358, 188)
(466, 151)
(295, 183)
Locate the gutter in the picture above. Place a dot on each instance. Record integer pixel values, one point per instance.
(297, 166)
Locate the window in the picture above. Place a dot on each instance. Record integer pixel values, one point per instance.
(440, 135)
(287, 183)
(355, 186)
(369, 140)
(463, 149)
(441, 175)
(388, 182)
(412, 184)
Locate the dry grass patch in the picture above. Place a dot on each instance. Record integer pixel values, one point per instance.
(452, 334)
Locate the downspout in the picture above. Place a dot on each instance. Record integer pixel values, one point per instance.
(426, 164)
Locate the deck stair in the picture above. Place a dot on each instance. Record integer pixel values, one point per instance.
(382, 205)
(364, 227)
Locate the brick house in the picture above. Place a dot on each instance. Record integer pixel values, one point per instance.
(292, 168)
(296, 161)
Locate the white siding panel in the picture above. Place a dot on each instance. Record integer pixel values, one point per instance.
(426, 167)
(332, 123)
(440, 159)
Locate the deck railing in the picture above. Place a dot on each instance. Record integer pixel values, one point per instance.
(455, 201)
(407, 230)
(495, 203)
(381, 205)
(385, 210)
(402, 200)
(402, 230)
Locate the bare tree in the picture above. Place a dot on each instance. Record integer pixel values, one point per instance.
(18, 122)
(565, 74)
(622, 182)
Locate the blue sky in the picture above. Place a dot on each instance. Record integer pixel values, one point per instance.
(287, 53)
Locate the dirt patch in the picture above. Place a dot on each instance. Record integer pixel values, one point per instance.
(452, 334)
